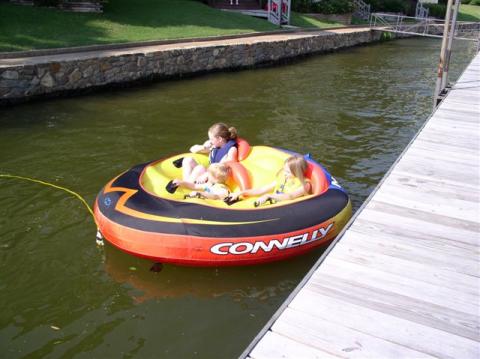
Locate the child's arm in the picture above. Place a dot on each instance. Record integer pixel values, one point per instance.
(253, 191)
(208, 195)
(205, 148)
(189, 185)
(218, 194)
(301, 191)
(232, 155)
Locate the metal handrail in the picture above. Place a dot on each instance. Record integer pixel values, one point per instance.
(429, 27)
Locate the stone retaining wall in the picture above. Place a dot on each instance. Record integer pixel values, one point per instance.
(53, 78)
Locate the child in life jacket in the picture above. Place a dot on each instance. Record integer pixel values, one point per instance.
(221, 146)
(289, 184)
(214, 188)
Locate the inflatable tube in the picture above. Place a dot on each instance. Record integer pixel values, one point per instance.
(135, 213)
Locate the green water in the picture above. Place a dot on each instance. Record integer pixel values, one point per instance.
(62, 297)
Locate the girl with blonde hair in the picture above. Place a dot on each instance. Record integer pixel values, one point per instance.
(213, 188)
(289, 184)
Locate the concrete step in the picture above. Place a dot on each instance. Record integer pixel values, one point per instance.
(79, 6)
(242, 5)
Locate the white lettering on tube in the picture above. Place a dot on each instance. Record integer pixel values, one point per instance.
(286, 243)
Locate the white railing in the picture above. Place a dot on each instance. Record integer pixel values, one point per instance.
(421, 11)
(362, 9)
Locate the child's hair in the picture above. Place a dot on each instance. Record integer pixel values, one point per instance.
(222, 130)
(219, 171)
(298, 166)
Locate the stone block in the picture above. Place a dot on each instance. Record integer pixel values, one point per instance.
(4, 92)
(104, 66)
(28, 71)
(47, 80)
(55, 67)
(88, 72)
(141, 61)
(10, 75)
(7, 84)
(75, 76)
(41, 71)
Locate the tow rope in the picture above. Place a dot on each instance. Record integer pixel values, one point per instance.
(79, 197)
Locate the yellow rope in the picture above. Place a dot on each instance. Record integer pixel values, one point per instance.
(54, 186)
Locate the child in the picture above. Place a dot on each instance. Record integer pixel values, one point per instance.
(221, 146)
(289, 184)
(213, 188)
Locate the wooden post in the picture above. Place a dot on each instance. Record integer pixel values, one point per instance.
(441, 63)
(449, 43)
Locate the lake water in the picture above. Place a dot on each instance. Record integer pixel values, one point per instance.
(62, 297)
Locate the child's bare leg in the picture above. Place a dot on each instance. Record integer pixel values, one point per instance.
(187, 167)
(198, 171)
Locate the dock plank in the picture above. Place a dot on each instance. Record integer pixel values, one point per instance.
(340, 340)
(398, 285)
(275, 345)
(458, 113)
(435, 342)
(449, 320)
(434, 151)
(430, 203)
(418, 251)
(443, 145)
(433, 186)
(408, 184)
(421, 271)
(404, 224)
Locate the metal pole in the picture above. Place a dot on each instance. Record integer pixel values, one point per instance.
(441, 63)
(451, 35)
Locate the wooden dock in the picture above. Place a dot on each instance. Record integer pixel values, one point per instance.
(402, 281)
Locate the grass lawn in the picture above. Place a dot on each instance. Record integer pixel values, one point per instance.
(469, 13)
(26, 28)
(302, 20)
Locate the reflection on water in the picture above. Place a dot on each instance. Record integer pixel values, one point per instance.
(173, 282)
(354, 111)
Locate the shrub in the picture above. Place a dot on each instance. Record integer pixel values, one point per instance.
(395, 6)
(391, 6)
(323, 6)
(302, 5)
(437, 10)
(333, 7)
(58, 2)
(47, 2)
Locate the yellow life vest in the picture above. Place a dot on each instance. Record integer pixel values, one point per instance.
(284, 185)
